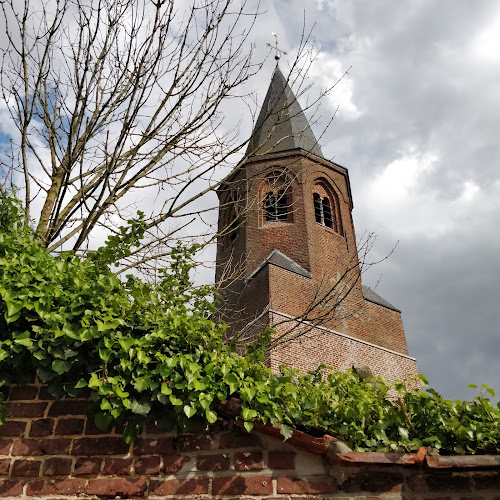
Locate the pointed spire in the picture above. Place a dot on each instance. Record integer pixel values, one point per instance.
(281, 124)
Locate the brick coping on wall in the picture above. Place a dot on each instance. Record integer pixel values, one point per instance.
(50, 449)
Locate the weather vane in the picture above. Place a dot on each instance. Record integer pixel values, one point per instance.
(278, 51)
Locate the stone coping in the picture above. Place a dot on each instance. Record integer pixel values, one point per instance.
(337, 451)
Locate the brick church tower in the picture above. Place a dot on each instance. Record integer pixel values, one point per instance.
(287, 255)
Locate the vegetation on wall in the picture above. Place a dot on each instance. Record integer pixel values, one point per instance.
(152, 351)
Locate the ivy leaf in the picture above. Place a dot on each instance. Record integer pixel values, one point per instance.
(249, 426)
(105, 354)
(165, 389)
(24, 339)
(103, 421)
(130, 434)
(211, 416)
(249, 392)
(94, 381)
(175, 401)
(189, 411)
(45, 374)
(126, 343)
(199, 386)
(286, 431)
(81, 383)
(140, 408)
(61, 366)
(232, 381)
(248, 414)
(13, 308)
(142, 383)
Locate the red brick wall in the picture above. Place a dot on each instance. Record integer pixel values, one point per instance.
(50, 449)
(314, 346)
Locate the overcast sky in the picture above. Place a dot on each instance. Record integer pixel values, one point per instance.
(418, 129)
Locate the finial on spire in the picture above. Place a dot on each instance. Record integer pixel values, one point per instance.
(278, 51)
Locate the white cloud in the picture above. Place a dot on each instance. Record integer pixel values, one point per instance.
(486, 44)
(400, 179)
(325, 72)
(470, 190)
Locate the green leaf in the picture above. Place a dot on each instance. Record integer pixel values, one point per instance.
(165, 389)
(249, 392)
(103, 421)
(81, 383)
(211, 416)
(140, 408)
(189, 411)
(248, 414)
(199, 386)
(232, 381)
(286, 431)
(248, 426)
(105, 404)
(105, 354)
(175, 401)
(13, 308)
(45, 374)
(24, 339)
(94, 381)
(126, 343)
(143, 357)
(61, 366)
(141, 384)
(130, 434)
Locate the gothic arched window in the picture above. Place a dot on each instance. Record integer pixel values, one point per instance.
(276, 198)
(276, 206)
(233, 219)
(326, 207)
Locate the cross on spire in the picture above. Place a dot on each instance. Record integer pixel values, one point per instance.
(278, 50)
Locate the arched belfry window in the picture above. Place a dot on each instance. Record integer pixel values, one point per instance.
(277, 198)
(233, 220)
(276, 206)
(326, 206)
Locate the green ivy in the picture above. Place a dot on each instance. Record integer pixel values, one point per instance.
(153, 352)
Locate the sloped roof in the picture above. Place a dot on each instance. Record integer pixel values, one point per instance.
(281, 125)
(279, 259)
(372, 296)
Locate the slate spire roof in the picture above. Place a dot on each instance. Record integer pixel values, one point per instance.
(281, 124)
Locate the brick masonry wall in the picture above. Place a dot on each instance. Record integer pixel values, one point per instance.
(314, 346)
(50, 449)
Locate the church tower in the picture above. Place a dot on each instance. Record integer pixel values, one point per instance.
(287, 255)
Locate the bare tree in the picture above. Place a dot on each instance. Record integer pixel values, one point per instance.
(112, 96)
(115, 101)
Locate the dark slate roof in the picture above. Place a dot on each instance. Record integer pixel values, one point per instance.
(279, 259)
(371, 296)
(281, 125)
